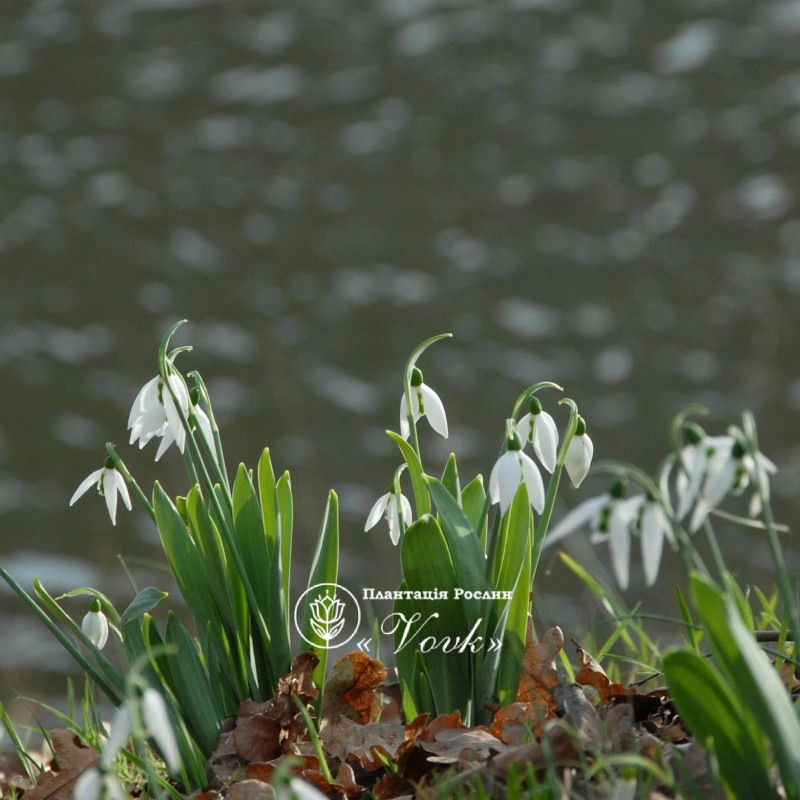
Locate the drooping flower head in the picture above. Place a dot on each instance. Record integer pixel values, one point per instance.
(712, 467)
(424, 403)
(539, 427)
(579, 454)
(109, 482)
(154, 413)
(95, 625)
(395, 507)
(510, 470)
(612, 517)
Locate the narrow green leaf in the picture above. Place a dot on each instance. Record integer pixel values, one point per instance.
(324, 569)
(146, 600)
(250, 533)
(513, 546)
(441, 630)
(473, 502)
(513, 635)
(691, 630)
(743, 663)
(186, 562)
(716, 717)
(286, 516)
(269, 500)
(450, 478)
(468, 558)
(415, 471)
(224, 582)
(189, 683)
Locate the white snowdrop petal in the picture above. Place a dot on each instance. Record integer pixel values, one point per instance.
(545, 440)
(533, 482)
(508, 477)
(119, 734)
(110, 494)
(579, 458)
(653, 530)
(620, 544)
(159, 727)
(577, 518)
(406, 506)
(377, 511)
(95, 626)
(88, 785)
(434, 410)
(86, 484)
(122, 488)
(404, 429)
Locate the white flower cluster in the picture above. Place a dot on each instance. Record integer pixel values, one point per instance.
(154, 414)
(708, 469)
(512, 469)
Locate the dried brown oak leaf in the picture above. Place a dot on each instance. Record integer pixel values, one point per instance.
(263, 731)
(539, 675)
(592, 674)
(456, 745)
(350, 689)
(512, 724)
(70, 760)
(250, 789)
(300, 678)
(365, 743)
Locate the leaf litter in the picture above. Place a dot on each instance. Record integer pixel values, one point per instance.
(373, 752)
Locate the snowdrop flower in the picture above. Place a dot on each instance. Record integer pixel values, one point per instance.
(703, 460)
(156, 720)
(424, 402)
(654, 527)
(154, 413)
(95, 625)
(387, 506)
(609, 517)
(579, 454)
(728, 469)
(120, 732)
(108, 482)
(539, 427)
(511, 469)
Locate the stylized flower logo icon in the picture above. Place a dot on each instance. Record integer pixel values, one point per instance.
(327, 617)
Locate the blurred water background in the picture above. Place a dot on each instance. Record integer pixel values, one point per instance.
(602, 194)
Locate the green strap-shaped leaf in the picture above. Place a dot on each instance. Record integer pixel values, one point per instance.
(752, 676)
(421, 498)
(442, 628)
(146, 600)
(717, 717)
(190, 685)
(469, 561)
(269, 500)
(473, 502)
(250, 533)
(450, 478)
(513, 635)
(286, 516)
(224, 582)
(185, 560)
(324, 569)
